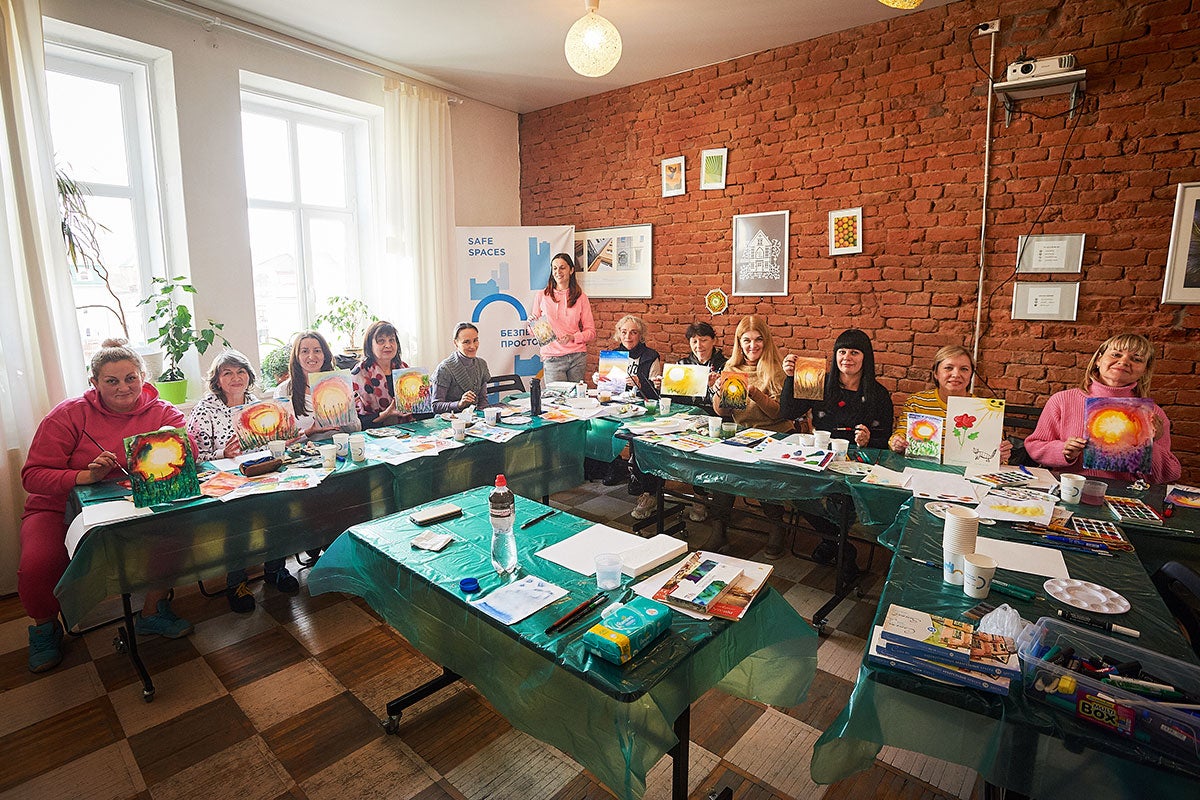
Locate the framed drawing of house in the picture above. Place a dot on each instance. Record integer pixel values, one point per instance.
(760, 254)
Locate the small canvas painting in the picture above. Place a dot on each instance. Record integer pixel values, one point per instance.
(542, 330)
(810, 378)
(924, 435)
(414, 392)
(1118, 434)
(975, 428)
(685, 380)
(614, 359)
(264, 421)
(735, 391)
(161, 467)
(333, 398)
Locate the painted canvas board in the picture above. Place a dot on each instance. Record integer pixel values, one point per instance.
(974, 429)
(614, 359)
(1118, 434)
(161, 467)
(414, 391)
(685, 380)
(924, 435)
(810, 378)
(264, 421)
(735, 390)
(333, 398)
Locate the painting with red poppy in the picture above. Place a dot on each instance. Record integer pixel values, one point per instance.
(974, 429)
(161, 467)
(1118, 434)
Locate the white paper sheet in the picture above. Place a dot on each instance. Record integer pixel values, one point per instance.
(578, 553)
(514, 602)
(232, 464)
(943, 486)
(998, 506)
(99, 514)
(882, 476)
(1027, 558)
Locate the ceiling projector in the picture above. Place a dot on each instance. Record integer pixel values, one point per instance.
(1039, 67)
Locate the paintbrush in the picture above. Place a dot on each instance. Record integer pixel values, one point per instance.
(124, 471)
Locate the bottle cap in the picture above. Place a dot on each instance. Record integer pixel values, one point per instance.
(500, 480)
(469, 585)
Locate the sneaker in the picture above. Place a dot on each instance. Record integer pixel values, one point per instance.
(241, 599)
(163, 623)
(282, 580)
(45, 646)
(647, 504)
(698, 512)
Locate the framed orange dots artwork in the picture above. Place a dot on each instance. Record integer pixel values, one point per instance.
(845, 231)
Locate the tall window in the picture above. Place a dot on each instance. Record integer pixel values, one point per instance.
(308, 199)
(100, 125)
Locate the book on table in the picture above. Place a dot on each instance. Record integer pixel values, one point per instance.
(736, 597)
(703, 585)
(946, 640)
(879, 654)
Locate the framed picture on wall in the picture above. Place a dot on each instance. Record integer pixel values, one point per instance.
(712, 168)
(1049, 301)
(1182, 281)
(673, 177)
(760, 254)
(845, 231)
(614, 262)
(1050, 253)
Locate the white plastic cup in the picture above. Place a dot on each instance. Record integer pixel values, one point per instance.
(328, 455)
(714, 427)
(608, 571)
(839, 448)
(358, 447)
(342, 441)
(1071, 488)
(821, 439)
(459, 426)
(806, 440)
(277, 447)
(491, 415)
(1093, 492)
(978, 571)
(952, 567)
(604, 395)
(664, 405)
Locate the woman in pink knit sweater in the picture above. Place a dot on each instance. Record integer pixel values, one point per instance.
(1121, 367)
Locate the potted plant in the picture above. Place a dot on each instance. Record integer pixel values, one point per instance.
(349, 317)
(274, 365)
(177, 334)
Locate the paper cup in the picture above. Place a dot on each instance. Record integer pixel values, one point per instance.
(1093, 492)
(821, 439)
(952, 567)
(328, 455)
(839, 448)
(342, 441)
(978, 571)
(664, 405)
(277, 447)
(459, 426)
(806, 439)
(604, 395)
(960, 531)
(608, 571)
(358, 447)
(491, 415)
(1071, 487)
(714, 427)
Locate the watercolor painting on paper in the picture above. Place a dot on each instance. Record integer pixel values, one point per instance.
(414, 391)
(974, 429)
(685, 380)
(333, 398)
(810, 378)
(735, 391)
(924, 435)
(264, 421)
(1118, 434)
(161, 467)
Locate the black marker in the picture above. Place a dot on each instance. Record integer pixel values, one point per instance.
(1107, 627)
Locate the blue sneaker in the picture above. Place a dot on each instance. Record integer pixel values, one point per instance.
(45, 646)
(164, 623)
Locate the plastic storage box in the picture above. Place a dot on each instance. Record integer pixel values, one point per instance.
(1156, 724)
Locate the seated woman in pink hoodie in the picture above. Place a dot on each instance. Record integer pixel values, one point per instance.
(1121, 367)
(62, 456)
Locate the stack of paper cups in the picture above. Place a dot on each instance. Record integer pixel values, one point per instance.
(958, 539)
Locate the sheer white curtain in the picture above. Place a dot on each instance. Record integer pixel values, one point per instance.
(419, 177)
(40, 354)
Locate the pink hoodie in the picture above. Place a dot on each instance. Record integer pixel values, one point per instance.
(60, 450)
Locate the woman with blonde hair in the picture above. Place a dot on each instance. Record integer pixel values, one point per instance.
(1121, 367)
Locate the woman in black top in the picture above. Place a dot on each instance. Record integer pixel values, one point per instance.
(702, 342)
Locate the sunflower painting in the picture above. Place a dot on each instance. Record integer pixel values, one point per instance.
(161, 467)
(924, 434)
(264, 421)
(1118, 434)
(809, 383)
(414, 392)
(735, 391)
(333, 398)
(975, 429)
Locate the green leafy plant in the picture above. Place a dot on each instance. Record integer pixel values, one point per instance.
(176, 332)
(274, 365)
(78, 231)
(347, 316)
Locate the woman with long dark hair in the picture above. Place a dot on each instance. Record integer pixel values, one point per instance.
(564, 305)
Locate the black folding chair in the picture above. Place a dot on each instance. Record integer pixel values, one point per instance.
(499, 384)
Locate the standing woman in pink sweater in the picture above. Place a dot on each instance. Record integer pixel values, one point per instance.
(567, 308)
(1121, 367)
(63, 456)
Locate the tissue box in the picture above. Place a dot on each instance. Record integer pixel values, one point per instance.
(626, 630)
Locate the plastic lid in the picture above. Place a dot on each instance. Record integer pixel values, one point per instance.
(469, 585)
(500, 480)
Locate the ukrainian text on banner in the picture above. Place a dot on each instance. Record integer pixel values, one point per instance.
(498, 272)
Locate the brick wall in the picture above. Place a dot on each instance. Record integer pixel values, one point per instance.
(892, 117)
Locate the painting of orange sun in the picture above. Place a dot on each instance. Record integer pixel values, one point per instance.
(1118, 434)
(161, 467)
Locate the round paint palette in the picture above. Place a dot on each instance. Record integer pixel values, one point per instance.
(848, 467)
(939, 511)
(1086, 595)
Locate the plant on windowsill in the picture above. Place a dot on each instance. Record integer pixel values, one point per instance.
(274, 365)
(78, 230)
(348, 317)
(177, 334)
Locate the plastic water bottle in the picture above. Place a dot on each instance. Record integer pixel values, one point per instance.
(501, 509)
(581, 389)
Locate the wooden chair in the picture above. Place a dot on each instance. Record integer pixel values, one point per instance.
(499, 384)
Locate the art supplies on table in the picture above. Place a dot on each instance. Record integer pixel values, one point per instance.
(578, 552)
(388, 430)
(1086, 595)
(954, 674)
(688, 442)
(882, 476)
(1133, 511)
(651, 553)
(1031, 559)
(930, 485)
(923, 433)
(1004, 507)
(748, 438)
(947, 640)
(809, 380)
(1097, 527)
(333, 398)
(515, 601)
(810, 458)
(414, 391)
(736, 600)
(222, 483)
(849, 467)
(685, 380)
(735, 391)
(974, 430)
(493, 433)
(264, 421)
(939, 510)
(702, 585)
(627, 629)
(294, 479)
(1180, 495)
(91, 516)
(996, 480)
(619, 411)
(1118, 434)
(161, 467)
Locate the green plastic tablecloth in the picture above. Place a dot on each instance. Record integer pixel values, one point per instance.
(1022, 745)
(615, 721)
(206, 538)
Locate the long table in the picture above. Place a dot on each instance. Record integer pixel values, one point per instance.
(1011, 741)
(617, 722)
(206, 538)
